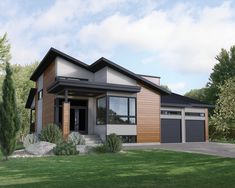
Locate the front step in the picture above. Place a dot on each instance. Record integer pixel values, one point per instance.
(92, 139)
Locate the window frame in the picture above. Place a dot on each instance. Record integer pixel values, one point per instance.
(106, 120)
(128, 110)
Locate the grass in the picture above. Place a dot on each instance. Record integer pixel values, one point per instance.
(149, 168)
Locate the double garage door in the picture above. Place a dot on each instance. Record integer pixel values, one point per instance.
(171, 130)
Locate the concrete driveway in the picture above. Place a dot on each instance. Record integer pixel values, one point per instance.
(211, 148)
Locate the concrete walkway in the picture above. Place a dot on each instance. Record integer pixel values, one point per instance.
(211, 148)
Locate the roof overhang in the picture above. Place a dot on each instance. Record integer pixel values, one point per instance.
(88, 88)
(30, 99)
(176, 100)
(50, 57)
(102, 62)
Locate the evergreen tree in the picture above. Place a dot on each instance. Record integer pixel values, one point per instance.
(9, 121)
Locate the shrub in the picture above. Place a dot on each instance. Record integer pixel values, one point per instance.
(51, 133)
(30, 139)
(76, 138)
(65, 148)
(100, 149)
(113, 143)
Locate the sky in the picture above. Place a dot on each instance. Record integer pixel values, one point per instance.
(177, 40)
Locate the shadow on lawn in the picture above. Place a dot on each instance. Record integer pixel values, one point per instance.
(154, 168)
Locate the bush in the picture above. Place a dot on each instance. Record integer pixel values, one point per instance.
(76, 138)
(51, 133)
(30, 139)
(113, 143)
(65, 148)
(100, 149)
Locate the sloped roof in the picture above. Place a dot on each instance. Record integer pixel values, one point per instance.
(176, 100)
(97, 65)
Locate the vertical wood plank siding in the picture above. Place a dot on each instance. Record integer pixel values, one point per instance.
(148, 116)
(206, 126)
(48, 99)
(66, 119)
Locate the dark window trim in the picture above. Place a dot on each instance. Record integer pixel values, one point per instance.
(106, 118)
(128, 110)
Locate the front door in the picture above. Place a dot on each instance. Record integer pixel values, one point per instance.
(78, 120)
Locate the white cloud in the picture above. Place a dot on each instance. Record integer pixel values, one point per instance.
(184, 37)
(177, 87)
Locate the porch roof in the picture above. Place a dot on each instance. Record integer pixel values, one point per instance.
(87, 88)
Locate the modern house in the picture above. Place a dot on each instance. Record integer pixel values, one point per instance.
(104, 98)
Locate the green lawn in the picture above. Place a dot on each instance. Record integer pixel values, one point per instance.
(150, 168)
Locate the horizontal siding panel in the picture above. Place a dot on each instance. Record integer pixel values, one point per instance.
(148, 116)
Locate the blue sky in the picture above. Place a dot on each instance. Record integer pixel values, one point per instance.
(176, 40)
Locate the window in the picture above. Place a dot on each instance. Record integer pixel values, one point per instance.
(128, 138)
(122, 110)
(195, 114)
(101, 111)
(40, 94)
(166, 112)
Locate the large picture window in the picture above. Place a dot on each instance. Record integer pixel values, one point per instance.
(122, 110)
(101, 111)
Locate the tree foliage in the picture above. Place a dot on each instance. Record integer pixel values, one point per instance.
(166, 87)
(9, 125)
(21, 75)
(4, 51)
(198, 94)
(222, 71)
(223, 121)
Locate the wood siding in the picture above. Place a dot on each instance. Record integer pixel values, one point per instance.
(66, 119)
(148, 116)
(48, 99)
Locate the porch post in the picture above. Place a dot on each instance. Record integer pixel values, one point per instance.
(206, 126)
(66, 116)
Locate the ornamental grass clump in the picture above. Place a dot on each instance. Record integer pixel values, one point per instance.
(65, 148)
(51, 133)
(113, 143)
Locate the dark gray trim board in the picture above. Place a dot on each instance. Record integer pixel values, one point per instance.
(31, 95)
(61, 84)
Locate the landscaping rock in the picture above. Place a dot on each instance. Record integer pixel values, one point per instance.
(83, 149)
(40, 148)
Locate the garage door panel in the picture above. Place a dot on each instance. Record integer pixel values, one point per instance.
(170, 130)
(195, 130)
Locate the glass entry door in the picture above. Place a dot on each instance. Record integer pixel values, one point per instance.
(78, 120)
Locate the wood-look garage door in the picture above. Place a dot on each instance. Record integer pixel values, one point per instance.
(170, 130)
(195, 130)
